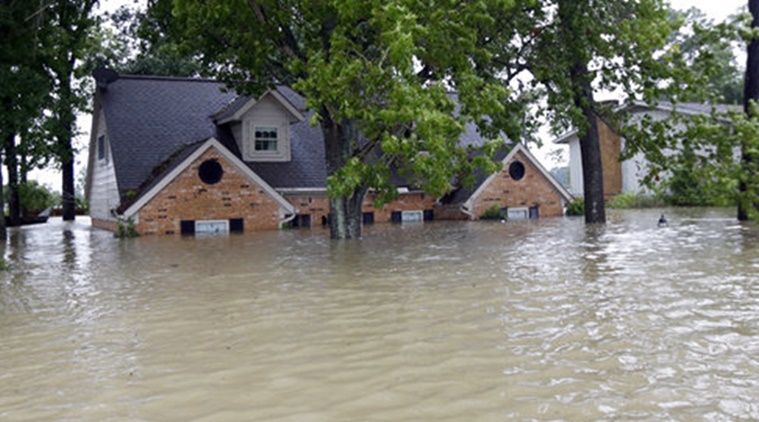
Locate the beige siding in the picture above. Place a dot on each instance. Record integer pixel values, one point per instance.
(237, 133)
(267, 112)
(104, 194)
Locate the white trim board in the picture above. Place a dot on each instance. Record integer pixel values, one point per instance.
(531, 158)
(237, 116)
(226, 154)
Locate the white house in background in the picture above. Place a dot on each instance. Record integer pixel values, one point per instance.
(622, 176)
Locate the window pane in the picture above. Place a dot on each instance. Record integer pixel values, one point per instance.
(101, 147)
(266, 139)
(412, 217)
(211, 227)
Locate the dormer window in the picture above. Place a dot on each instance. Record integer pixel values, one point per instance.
(266, 138)
(261, 127)
(266, 141)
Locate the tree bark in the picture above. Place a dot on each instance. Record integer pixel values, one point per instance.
(572, 14)
(11, 163)
(68, 195)
(590, 147)
(66, 150)
(751, 93)
(344, 211)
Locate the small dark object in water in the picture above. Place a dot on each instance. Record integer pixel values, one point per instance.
(663, 221)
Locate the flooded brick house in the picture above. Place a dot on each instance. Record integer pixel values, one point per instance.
(184, 156)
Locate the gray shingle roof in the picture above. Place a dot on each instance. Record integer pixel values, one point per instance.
(306, 169)
(461, 193)
(150, 118)
(152, 121)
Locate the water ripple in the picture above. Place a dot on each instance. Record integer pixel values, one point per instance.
(548, 320)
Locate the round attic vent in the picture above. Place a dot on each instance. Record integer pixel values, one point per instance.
(516, 170)
(210, 172)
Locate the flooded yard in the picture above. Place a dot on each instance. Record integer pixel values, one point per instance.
(531, 321)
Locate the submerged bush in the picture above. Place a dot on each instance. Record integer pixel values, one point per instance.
(576, 207)
(33, 197)
(127, 229)
(632, 200)
(492, 213)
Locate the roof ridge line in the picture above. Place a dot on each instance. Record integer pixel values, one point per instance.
(168, 78)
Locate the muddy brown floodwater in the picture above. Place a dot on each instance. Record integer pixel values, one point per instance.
(529, 321)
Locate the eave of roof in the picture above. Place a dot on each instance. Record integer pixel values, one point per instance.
(534, 161)
(184, 159)
(235, 110)
(149, 118)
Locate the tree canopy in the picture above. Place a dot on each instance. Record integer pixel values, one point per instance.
(377, 75)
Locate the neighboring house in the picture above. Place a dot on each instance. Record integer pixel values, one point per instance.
(180, 155)
(622, 176)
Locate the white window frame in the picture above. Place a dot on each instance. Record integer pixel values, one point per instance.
(281, 154)
(518, 213)
(415, 216)
(276, 139)
(218, 224)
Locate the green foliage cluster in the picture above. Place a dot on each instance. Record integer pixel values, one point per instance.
(82, 205)
(127, 229)
(576, 208)
(377, 75)
(141, 46)
(34, 197)
(492, 213)
(686, 188)
(45, 52)
(635, 200)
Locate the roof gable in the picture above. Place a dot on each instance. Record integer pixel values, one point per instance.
(185, 160)
(150, 118)
(237, 109)
(531, 158)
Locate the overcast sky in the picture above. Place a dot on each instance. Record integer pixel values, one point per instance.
(717, 10)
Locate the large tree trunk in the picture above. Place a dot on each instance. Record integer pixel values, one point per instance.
(570, 13)
(345, 211)
(68, 194)
(11, 163)
(590, 147)
(66, 150)
(751, 93)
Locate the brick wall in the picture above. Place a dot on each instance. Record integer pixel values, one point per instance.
(404, 202)
(532, 190)
(317, 206)
(109, 225)
(188, 198)
(450, 212)
(234, 196)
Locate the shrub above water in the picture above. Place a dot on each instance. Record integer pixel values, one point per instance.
(631, 200)
(492, 213)
(576, 207)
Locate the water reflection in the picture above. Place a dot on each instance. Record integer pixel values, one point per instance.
(548, 320)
